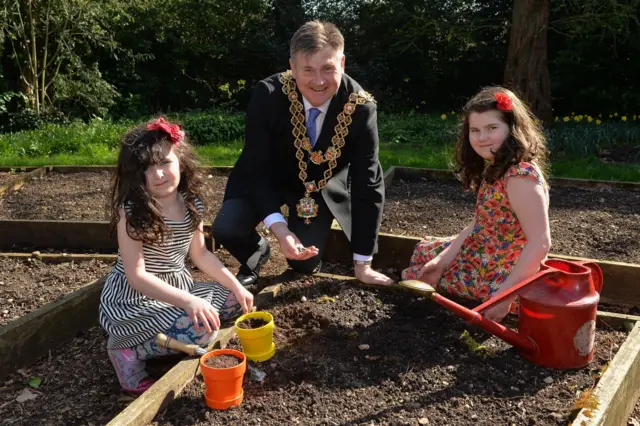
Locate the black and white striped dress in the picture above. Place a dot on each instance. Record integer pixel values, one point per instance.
(132, 318)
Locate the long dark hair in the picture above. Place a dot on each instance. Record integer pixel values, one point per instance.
(526, 141)
(141, 149)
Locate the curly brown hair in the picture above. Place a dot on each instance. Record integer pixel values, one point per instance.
(142, 148)
(526, 141)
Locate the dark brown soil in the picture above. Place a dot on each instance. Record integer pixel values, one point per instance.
(28, 284)
(222, 361)
(629, 154)
(82, 196)
(634, 419)
(592, 223)
(251, 323)
(362, 356)
(59, 196)
(79, 387)
(5, 177)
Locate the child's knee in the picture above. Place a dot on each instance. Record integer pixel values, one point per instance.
(231, 301)
(230, 309)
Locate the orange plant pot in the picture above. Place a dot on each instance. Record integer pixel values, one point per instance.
(223, 386)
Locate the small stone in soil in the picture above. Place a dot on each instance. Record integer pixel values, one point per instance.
(252, 323)
(222, 361)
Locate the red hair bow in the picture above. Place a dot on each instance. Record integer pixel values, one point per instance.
(504, 101)
(172, 129)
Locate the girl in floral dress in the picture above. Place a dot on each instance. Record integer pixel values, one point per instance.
(500, 155)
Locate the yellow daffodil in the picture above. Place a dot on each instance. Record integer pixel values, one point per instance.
(589, 119)
(634, 117)
(623, 118)
(615, 114)
(565, 119)
(443, 116)
(556, 119)
(576, 118)
(598, 121)
(610, 116)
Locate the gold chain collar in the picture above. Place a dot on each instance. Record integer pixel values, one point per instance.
(307, 207)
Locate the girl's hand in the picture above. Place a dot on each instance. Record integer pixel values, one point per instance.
(244, 298)
(201, 311)
(431, 272)
(498, 312)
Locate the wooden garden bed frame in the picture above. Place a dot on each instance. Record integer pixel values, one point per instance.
(39, 331)
(617, 391)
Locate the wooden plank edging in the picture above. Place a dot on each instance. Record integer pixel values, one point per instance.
(63, 234)
(622, 280)
(389, 176)
(164, 391)
(619, 387)
(20, 181)
(24, 340)
(62, 257)
(56, 234)
(21, 169)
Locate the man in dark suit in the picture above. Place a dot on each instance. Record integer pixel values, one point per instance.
(311, 143)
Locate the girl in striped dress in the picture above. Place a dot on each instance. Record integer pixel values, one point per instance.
(157, 215)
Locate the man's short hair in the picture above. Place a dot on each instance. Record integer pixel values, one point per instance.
(314, 36)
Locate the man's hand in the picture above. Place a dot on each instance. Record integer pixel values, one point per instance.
(367, 275)
(290, 245)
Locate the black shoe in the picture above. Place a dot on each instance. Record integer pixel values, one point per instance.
(248, 277)
(305, 267)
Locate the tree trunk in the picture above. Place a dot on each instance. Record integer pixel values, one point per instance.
(527, 70)
(34, 56)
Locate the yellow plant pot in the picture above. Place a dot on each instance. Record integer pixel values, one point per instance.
(257, 343)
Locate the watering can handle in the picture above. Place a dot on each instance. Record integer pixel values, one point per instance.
(514, 290)
(596, 274)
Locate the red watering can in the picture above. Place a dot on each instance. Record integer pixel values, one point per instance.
(557, 313)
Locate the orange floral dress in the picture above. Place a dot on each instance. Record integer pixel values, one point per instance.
(490, 252)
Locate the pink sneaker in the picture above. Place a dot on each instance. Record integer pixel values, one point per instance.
(144, 384)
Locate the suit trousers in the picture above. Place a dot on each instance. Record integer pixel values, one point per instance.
(235, 229)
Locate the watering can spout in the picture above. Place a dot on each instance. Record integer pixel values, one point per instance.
(472, 316)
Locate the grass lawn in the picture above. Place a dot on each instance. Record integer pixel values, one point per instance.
(390, 155)
(410, 140)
